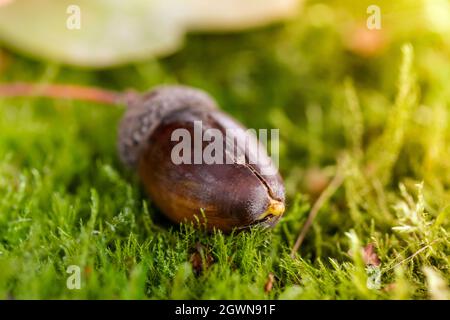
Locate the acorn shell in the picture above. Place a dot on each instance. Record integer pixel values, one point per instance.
(227, 195)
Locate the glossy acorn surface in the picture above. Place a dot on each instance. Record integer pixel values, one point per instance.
(231, 195)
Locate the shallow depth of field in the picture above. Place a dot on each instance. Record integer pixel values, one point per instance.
(372, 107)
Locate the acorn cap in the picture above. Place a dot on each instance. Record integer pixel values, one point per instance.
(145, 112)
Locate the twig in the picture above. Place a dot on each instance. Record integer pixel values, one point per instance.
(413, 255)
(64, 91)
(324, 196)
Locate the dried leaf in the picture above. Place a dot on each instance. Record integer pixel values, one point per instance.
(369, 255)
(269, 284)
(201, 259)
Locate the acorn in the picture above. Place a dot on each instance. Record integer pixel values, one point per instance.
(234, 193)
(226, 195)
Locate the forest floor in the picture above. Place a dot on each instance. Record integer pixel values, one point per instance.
(378, 115)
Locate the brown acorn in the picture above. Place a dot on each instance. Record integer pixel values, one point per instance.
(231, 195)
(234, 193)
